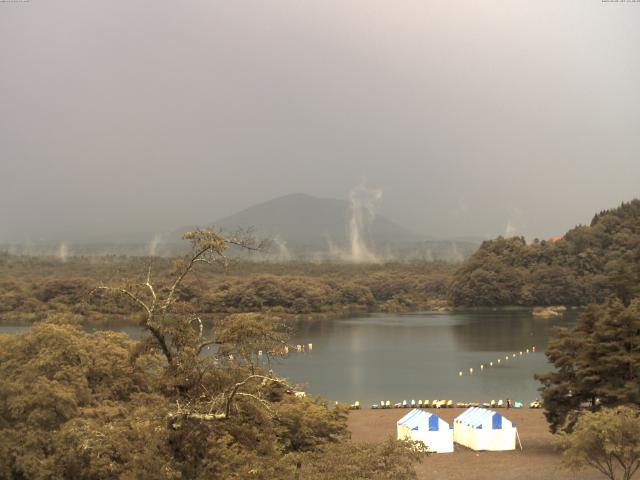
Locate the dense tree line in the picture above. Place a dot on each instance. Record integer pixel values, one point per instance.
(75, 405)
(597, 363)
(592, 397)
(584, 266)
(34, 289)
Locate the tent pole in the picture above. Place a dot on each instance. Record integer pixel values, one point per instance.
(518, 437)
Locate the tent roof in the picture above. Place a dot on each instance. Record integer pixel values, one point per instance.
(421, 420)
(477, 417)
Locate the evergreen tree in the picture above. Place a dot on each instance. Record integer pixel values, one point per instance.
(584, 266)
(597, 363)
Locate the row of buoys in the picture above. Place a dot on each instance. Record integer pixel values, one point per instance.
(300, 348)
(499, 360)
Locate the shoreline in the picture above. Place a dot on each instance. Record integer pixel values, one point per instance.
(293, 319)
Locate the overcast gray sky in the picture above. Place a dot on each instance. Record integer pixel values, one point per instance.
(472, 116)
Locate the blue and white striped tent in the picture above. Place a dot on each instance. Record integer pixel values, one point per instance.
(425, 427)
(482, 429)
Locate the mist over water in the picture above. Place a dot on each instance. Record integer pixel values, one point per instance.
(455, 255)
(282, 252)
(63, 252)
(353, 232)
(154, 244)
(362, 213)
(510, 230)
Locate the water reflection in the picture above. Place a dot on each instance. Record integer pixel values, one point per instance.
(419, 356)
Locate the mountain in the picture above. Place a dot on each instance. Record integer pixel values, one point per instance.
(301, 227)
(315, 229)
(306, 221)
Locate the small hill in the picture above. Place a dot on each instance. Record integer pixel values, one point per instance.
(307, 228)
(306, 221)
(584, 266)
(302, 227)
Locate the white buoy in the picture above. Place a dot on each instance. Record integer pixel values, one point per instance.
(481, 367)
(520, 353)
(460, 374)
(533, 349)
(471, 371)
(259, 353)
(498, 360)
(514, 355)
(299, 347)
(491, 364)
(527, 350)
(506, 357)
(310, 346)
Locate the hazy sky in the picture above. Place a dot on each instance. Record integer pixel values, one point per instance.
(473, 117)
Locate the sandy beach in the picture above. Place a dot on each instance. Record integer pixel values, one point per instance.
(537, 461)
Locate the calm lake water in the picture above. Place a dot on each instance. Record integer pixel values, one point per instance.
(419, 356)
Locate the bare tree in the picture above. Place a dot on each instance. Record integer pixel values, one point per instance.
(207, 246)
(181, 337)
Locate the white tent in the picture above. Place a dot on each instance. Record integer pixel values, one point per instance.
(482, 429)
(425, 427)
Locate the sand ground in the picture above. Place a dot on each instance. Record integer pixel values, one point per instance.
(537, 461)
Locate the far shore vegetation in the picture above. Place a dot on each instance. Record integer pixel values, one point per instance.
(34, 289)
(585, 266)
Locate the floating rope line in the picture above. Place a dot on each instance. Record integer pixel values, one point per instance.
(498, 361)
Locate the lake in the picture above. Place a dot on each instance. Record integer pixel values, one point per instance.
(419, 355)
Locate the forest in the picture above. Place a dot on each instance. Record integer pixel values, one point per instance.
(584, 266)
(78, 405)
(82, 405)
(33, 289)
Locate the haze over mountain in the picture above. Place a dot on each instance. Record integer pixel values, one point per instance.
(475, 118)
(306, 220)
(303, 225)
(299, 226)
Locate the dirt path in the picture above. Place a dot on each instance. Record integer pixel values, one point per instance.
(537, 461)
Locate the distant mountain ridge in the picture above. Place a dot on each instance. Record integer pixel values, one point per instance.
(300, 226)
(305, 220)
